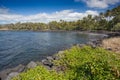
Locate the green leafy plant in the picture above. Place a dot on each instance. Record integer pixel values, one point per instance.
(79, 64)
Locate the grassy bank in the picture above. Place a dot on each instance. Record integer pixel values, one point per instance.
(77, 63)
(112, 43)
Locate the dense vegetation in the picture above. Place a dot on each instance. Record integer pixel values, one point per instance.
(110, 20)
(77, 63)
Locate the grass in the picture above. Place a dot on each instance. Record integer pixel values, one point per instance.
(78, 64)
(113, 43)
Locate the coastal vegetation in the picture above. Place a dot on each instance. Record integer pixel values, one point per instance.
(78, 63)
(108, 21)
(112, 43)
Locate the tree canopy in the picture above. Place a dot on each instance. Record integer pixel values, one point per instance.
(110, 20)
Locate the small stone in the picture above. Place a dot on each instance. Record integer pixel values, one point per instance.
(32, 64)
(109, 48)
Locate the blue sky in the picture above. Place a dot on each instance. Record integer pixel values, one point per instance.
(12, 11)
(36, 6)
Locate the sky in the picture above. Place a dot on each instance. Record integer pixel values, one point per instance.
(12, 11)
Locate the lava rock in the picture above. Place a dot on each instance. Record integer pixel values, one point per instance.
(19, 68)
(32, 64)
(49, 58)
(47, 63)
(5, 73)
(11, 75)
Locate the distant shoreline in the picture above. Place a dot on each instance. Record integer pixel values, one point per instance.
(4, 29)
(111, 33)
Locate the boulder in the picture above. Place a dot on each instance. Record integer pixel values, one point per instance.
(47, 63)
(91, 44)
(60, 52)
(80, 45)
(6, 72)
(19, 68)
(11, 75)
(49, 58)
(32, 64)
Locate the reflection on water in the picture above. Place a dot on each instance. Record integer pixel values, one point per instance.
(20, 47)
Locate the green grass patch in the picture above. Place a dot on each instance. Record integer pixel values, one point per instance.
(79, 64)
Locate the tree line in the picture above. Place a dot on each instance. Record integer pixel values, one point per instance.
(109, 20)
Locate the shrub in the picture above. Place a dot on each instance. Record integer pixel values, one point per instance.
(80, 64)
(116, 27)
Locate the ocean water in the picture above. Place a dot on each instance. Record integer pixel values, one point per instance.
(21, 47)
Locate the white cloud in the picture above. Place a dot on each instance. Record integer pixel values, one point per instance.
(67, 15)
(99, 3)
(3, 10)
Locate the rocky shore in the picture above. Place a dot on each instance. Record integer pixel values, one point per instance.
(12, 72)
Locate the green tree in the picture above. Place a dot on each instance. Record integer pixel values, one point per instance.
(116, 27)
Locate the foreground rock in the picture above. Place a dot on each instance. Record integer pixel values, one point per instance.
(11, 75)
(32, 64)
(8, 74)
(47, 63)
(49, 58)
(4, 74)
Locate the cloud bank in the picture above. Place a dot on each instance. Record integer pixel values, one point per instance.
(99, 3)
(4, 10)
(67, 15)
